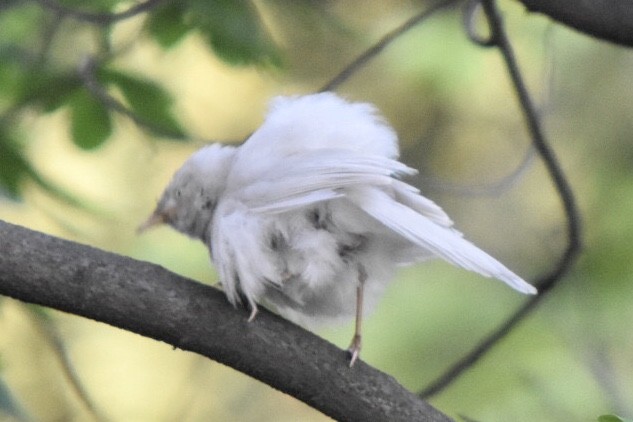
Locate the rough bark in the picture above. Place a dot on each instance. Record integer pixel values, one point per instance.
(151, 301)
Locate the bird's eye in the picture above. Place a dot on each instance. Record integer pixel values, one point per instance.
(178, 193)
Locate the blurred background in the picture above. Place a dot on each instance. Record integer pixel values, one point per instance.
(195, 72)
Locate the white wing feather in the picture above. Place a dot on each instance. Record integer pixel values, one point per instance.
(445, 242)
(410, 196)
(293, 202)
(322, 121)
(312, 177)
(313, 124)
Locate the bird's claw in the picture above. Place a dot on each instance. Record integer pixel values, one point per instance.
(354, 350)
(253, 314)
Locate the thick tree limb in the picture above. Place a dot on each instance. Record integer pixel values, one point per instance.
(151, 301)
(610, 20)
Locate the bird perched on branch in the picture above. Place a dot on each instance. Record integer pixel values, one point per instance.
(309, 215)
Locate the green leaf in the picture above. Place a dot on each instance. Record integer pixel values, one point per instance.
(50, 91)
(57, 90)
(234, 31)
(150, 102)
(90, 121)
(43, 87)
(166, 24)
(613, 418)
(21, 23)
(11, 74)
(13, 167)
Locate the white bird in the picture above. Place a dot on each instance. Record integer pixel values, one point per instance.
(310, 216)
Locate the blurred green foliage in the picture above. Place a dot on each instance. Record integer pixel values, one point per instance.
(167, 23)
(14, 166)
(147, 100)
(612, 418)
(32, 80)
(233, 29)
(89, 119)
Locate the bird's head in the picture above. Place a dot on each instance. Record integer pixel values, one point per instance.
(189, 201)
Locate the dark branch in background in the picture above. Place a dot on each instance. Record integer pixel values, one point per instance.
(379, 46)
(610, 20)
(499, 39)
(103, 19)
(153, 302)
(87, 72)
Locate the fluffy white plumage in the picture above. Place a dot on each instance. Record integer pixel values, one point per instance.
(310, 204)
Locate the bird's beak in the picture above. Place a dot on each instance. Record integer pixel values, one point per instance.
(154, 220)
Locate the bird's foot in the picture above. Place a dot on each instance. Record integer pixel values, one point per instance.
(354, 349)
(253, 314)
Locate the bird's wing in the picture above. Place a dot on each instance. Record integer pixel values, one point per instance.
(308, 148)
(308, 178)
(410, 197)
(443, 241)
(320, 121)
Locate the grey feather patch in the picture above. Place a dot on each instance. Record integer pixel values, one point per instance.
(278, 242)
(355, 244)
(320, 218)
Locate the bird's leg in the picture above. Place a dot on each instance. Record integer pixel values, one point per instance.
(354, 347)
(254, 311)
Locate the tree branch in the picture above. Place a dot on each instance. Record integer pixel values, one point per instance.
(151, 301)
(610, 20)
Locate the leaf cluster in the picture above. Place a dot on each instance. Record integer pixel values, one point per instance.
(94, 87)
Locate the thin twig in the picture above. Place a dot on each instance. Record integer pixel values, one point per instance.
(49, 332)
(98, 18)
(472, 11)
(379, 46)
(549, 280)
